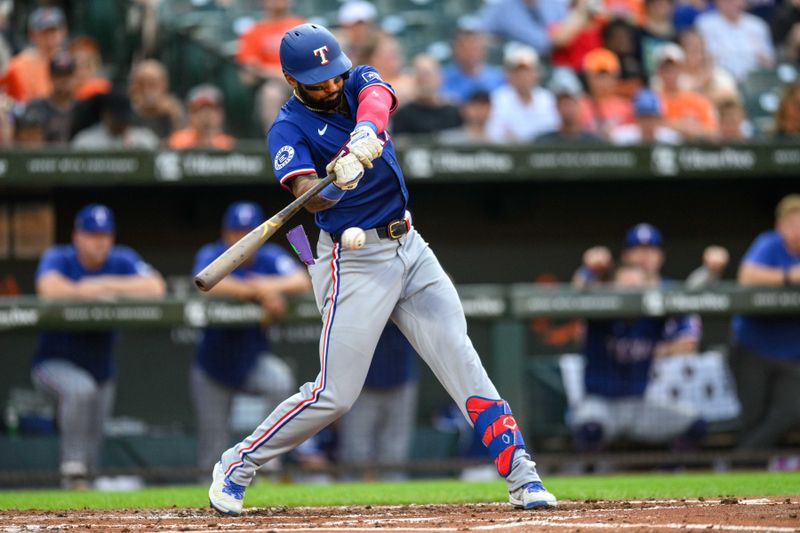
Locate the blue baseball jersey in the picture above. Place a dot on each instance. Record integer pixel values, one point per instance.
(394, 362)
(775, 337)
(90, 350)
(228, 355)
(302, 141)
(619, 353)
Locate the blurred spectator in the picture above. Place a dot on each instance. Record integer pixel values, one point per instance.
(787, 117)
(387, 57)
(358, 30)
(656, 31)
(6, 101)
(260, 44)
(629, 10)
(521, 109)
(786, 30)
(155, 107)
(76, 368)
(116, 129)
(700, 74)
(715, 261)
(379, 428)
(474, 113)
(235, 360)
(8, 36)
(619, 355)
(523, 21)
(567, 90)
(649, 126)
(687, 11)
(30, 69)
(741, 41)
(28, 126)
(689, 113)
(469, 71)
(88, 81)
(205, 121)
(621, 37)
(733, 124)
(603, 109)
(57, 110)
(428, 112)
(766, 349)
(577, 34)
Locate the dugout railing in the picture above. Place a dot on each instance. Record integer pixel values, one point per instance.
(502, 310)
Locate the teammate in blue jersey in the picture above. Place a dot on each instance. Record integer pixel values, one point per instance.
(335, 123)
(766, 350)
(234, 360)
(76, 368)
(619, 354)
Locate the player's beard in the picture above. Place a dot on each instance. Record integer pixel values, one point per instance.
(329, 103)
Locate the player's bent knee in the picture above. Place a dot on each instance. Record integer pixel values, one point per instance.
(495, 425)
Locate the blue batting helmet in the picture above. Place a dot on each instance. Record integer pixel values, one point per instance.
(311, 54)
(242, 216)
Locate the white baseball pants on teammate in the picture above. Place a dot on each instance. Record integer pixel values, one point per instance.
(357, 291)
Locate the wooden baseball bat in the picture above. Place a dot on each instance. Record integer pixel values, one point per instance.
(247, 245)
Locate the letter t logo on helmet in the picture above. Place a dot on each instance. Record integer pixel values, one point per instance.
(311, 54)
(321, 53)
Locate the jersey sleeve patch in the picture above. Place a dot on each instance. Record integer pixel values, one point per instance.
(283, 156)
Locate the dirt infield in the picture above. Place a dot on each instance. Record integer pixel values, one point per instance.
(775, 514)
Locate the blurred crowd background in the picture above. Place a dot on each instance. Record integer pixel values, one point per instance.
(206, 73)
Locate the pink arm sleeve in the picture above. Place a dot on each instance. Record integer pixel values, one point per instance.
(374, 105)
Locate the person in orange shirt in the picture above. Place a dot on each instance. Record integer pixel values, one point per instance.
(689, 113)
(603, 109)
(88, 82)
(205, 117)
(259, 45)
(29, 70)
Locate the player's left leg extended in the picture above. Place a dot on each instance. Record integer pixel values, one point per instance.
(430, 315)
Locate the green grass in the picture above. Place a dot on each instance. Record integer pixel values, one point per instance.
(439, 491)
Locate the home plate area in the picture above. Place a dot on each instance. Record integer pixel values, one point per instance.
(774, 514)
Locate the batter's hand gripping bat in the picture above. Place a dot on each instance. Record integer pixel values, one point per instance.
(247, 245)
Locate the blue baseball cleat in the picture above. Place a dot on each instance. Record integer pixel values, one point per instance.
(532, 496)
(224, 495)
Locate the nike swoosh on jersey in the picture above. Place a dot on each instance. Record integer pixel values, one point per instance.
(323, 130)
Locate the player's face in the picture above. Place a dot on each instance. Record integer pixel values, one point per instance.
(231, 236)
(326, 95)
(93, 248)
(649, 258)
(630, 278)
(789, 228)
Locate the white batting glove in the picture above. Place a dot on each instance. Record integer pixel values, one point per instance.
(348, 170)
(365, 145)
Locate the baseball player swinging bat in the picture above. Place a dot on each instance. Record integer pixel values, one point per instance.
(247, 245)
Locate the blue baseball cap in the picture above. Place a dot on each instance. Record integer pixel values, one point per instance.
(642, 235)
(646, 103)
(311, 54)
(95, 218)
(242, 215)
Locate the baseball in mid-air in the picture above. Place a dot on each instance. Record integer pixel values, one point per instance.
(353, 238)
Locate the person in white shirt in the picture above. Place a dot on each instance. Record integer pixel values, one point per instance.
(738, 41)
(521, 110)
(648, 128)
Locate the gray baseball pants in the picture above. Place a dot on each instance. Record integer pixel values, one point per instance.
(84, 406)
(357, 291)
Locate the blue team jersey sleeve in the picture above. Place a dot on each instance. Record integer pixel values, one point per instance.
(53, 260)
(274, 260)
(682, 327)
(290, 153)
(128, 262)
(205, 256)
(364, 76)
(765, 250)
